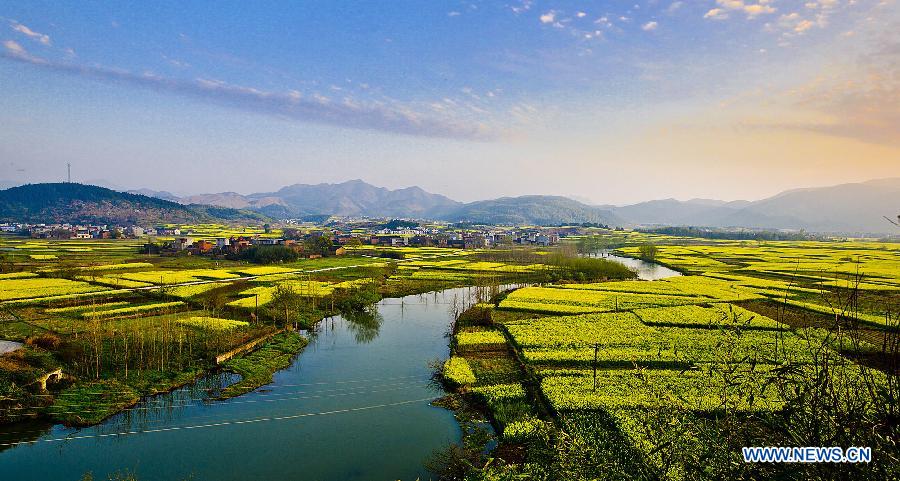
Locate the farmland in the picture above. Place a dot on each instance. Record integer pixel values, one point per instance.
(577, 353)
(111, 318)
(643, 378)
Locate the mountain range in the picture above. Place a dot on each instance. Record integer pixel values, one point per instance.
(845, 208)
(848, 208)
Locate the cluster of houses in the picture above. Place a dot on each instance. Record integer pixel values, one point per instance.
(472, 238)
(295, 236)
(233, 245)
(74, 231)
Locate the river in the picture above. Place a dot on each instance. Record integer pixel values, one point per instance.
(355, 405)
(648, 271)
(9, 346)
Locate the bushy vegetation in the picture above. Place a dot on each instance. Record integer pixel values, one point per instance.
(268, 254)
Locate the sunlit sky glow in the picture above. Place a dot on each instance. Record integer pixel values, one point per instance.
(612, 102)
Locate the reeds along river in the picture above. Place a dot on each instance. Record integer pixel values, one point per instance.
(353, 406)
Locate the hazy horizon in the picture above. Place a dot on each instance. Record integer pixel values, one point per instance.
(588, 201)
(715, 99)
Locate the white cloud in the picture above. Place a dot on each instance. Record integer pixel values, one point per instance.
(803, 26)
(24, 30)
(453, 14)
(716, 14)
(395, 117)
(548, 17)
(752, 10)
(14, 48)
(649, 26)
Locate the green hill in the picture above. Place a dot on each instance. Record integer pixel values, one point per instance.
(78, 203)
(532, 209)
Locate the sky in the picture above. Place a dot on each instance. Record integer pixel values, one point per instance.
(609, 102)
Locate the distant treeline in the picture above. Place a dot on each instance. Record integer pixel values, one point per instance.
(713, 233)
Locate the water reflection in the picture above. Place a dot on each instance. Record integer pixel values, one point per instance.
(648, 271)
(355, 405)
(364, 323)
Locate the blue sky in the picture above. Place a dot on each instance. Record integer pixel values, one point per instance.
(608, 101)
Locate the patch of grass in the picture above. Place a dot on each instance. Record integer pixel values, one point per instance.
(91, 402)
(257, 367)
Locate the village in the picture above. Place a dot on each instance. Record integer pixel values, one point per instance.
(307, 239)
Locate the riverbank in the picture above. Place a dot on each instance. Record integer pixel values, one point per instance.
(365, 379)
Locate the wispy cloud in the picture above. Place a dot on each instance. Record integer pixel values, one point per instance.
(14, 48)
(750, 9)
(858, 100)
(24, 30)
(293, 105)
(716, 14)
(649, 26)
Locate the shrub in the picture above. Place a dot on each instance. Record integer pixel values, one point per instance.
(269, 254)
(45, 341)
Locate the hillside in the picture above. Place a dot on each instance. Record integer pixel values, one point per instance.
(849, 208)
(353, 197)
(532, 209)
(358, 198)
(78, 203)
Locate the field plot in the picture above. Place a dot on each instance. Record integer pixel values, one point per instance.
(648, 373)
(35, 288)
(575, 301)
(805, 274)
(119, 322)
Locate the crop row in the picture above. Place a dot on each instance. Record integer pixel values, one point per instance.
(695, 389)
(573, 301)
(25, 288)
(212, 323)
(715, 316)
(133, 310)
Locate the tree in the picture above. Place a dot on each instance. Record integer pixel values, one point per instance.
(268, 254)
(214, 300)
(285, 300)
(318, 245)
(648, 251)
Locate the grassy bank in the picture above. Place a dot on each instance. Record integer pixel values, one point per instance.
(257, 368)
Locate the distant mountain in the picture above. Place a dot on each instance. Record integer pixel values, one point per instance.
(350, 198)
(159, 194)
(857, 207)
(849, 208)
(675, 212)
(78, 203)
(532, 209)
(358, 198)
